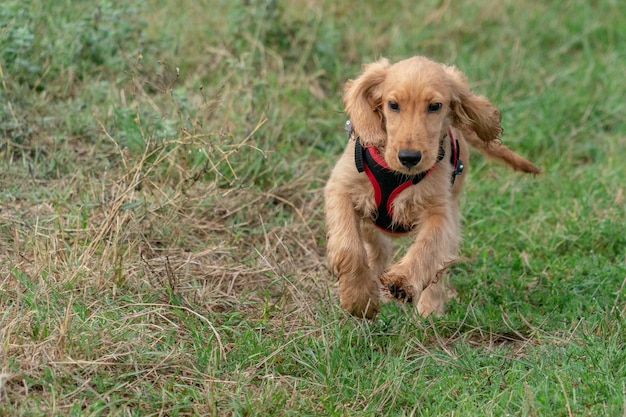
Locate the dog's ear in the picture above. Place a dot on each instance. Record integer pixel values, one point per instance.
(472, 111)
(363, 100)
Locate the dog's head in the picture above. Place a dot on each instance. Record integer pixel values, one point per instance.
(406, 108)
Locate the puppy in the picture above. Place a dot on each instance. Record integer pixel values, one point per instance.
(401, 174)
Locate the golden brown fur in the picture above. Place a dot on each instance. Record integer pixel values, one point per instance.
(358, 252)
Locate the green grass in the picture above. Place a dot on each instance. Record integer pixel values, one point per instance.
(161, 225)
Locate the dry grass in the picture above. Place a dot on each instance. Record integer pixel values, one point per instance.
(116, 265)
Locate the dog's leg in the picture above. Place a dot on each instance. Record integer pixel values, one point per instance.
(348, 258)
(378, 247)
(435, 295)
(435, 247)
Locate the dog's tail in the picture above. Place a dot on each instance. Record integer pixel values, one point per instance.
(495, 149)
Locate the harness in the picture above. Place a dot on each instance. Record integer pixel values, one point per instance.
(388, 184)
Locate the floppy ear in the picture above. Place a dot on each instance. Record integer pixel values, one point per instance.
(471, 111)
(363, 100)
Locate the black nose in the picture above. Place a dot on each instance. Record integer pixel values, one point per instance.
(409, 158)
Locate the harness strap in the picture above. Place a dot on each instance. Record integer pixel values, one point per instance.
(455, 161)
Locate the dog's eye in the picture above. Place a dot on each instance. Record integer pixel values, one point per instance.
(434, 107)
(394, 106)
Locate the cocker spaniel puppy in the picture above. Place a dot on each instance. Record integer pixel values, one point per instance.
(401, 173)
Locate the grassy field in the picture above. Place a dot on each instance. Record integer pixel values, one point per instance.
(161, 226)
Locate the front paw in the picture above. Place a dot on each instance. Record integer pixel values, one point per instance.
(359, 293)
(400, 293)
(397, 287)
(361, 307)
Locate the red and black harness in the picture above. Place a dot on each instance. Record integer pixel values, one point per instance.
(388, 184)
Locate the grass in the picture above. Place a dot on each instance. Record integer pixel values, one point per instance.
(161, 230)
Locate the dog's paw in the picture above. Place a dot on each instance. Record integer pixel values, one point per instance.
(400, 293)
(360, 294)
(364, 309)
(395, 286)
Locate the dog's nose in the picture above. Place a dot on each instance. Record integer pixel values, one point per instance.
(409, 158)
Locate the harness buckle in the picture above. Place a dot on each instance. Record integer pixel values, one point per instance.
(459, 167)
